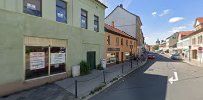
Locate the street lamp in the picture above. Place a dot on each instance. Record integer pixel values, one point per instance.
(131, 59)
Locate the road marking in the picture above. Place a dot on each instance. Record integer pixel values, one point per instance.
(174, 79)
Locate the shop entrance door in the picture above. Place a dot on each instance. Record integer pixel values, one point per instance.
(91, 59)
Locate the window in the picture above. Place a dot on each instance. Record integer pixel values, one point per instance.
(61, 11)
(32, 7)
(200, 40)
(108, 40)
(37, 61)
(84, 19)
(117, 41)
(193, 41)
(58, 60)
(126, 42)
(96, 23)
(122, 41)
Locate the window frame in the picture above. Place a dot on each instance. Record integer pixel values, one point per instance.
(121, 41)
(97, 21)
(117, 41)
(81, 15)
(33, 14)
(64, 8)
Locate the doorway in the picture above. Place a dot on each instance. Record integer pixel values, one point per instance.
(194, 54)
(91, 59)
(122, 57)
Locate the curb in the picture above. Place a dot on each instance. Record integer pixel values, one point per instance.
(112, 83)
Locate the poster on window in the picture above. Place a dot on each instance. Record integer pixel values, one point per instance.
(58, 58)
(37, 60)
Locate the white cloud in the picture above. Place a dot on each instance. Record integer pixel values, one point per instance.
(154, 13)
(165, 12)
(176, 19)
(178, 29)
(127, 3)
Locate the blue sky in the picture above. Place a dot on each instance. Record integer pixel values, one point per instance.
(161, 18)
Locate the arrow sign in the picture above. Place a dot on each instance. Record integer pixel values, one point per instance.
(174, 79)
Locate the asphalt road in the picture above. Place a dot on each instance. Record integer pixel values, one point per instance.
(151, 83)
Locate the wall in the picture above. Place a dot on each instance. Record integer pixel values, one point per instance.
(15, 26)
(123, 48)
(123, 20)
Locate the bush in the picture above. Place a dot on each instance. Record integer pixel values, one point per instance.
(84, 68)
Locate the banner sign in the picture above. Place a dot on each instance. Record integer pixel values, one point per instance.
(58, 58)
(31, 6)
(37, 60)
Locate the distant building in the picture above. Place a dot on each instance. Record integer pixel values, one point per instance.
(127, 22)
(158, 42)
(118, 45)
(195, 41)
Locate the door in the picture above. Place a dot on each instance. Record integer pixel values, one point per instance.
(122, 57)
(91, 59)
(117, 57)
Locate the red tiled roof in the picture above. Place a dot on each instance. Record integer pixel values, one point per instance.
(185, 33)
(193, 33)
(200, 19)
(117, 31)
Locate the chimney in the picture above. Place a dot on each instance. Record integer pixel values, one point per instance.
(121, 5)
(113, 24)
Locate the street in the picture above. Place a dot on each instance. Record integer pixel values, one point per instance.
(151, 82)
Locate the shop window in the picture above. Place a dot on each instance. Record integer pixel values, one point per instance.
(32, 7)
(84, 19)
(37, 61)
(61, 11)
(58, 59)
(96, 23)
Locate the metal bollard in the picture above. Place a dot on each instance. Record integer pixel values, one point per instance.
(104, 77)
(122, 68)
(76, 89)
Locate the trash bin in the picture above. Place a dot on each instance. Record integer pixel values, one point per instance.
(76, 70)
(103, 63)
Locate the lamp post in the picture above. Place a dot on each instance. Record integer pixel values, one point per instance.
(131, 59)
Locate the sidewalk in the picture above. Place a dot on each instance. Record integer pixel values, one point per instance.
(65, 89)
(192, 62)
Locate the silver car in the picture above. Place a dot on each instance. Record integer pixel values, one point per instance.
(176, 57)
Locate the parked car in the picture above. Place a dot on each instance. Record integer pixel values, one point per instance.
(176, 57)
(151, 56)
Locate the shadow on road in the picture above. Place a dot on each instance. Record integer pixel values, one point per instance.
(138, 85)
